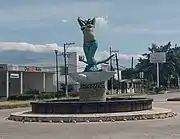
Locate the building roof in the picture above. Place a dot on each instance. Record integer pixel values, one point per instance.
(25, 68)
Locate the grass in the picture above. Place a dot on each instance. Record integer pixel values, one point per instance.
(22, 103)
(14, 104)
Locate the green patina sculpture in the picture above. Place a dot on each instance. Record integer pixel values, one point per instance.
(90, 45)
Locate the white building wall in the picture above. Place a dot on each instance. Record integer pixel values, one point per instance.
(33, 81)
(74, 65)
(72, 62)
(49, 82)
(30, 80)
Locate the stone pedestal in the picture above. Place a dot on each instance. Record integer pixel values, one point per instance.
(92, 84)
(92, 92)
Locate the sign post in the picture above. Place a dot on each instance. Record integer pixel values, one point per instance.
(157, 65)
(142, 79)
(157, 58)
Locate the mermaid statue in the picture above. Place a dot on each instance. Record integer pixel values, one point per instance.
(90, 45)
(92, 79)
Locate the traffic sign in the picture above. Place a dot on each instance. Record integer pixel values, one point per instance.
(159, 57)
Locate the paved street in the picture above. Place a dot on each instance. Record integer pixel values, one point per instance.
(151, 129)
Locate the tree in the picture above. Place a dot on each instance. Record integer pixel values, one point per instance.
(129, 73)
(170, 68)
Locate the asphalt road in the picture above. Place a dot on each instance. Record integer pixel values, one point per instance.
(149, 129)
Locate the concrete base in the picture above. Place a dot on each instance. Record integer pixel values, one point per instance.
(155, 113)
(92, 92)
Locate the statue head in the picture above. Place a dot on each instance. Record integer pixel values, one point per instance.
(86, 24)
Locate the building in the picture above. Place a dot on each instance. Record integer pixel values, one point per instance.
(73, 63)
(73, 66)
(18, 79)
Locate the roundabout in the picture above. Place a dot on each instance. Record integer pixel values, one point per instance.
(155, 113)
(92, 105)
(154, 126)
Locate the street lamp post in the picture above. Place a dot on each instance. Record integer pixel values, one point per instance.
(65, 64)
(57, 76)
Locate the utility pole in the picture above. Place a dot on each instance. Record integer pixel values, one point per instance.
(65, 70)
(57, 75)
(117, 65)
(112, 78)
(132, 65)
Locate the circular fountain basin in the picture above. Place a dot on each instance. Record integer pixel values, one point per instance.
(75, 106)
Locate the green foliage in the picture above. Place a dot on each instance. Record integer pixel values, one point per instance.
(22, 97)
(74, 94)
(45, 95)
(168, 69)
(158, 89)
(130, 73)
(41, 96)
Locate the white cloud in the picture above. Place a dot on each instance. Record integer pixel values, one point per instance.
(48, 48)
(101, 21)
(23, 46)
(129, 56)
(145, 30)
(105, 54)
(64, 21)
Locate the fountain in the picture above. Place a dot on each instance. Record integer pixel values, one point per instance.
(92, 94)
(92, 104)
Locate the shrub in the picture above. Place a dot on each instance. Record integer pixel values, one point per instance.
(73, 94)
(44, 95)
(41, 96)
(22, 97)
(158, 89)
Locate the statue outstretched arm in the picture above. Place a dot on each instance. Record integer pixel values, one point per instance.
(104, 61)
(81, 22)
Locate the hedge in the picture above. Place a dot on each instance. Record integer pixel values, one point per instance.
(22, 97)
(41, 96)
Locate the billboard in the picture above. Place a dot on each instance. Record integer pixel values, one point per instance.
(159, 57)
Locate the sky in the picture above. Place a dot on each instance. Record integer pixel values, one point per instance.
(32, 29)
